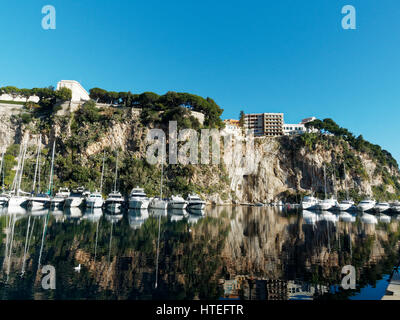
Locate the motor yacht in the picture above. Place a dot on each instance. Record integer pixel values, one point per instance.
(138, 199)
(366, 205)
(344, 205)
(395, 206)
(382, 207)
(309, 203)
(41, 200)
(59, 199)
(76, 198)
(157, 203)
(94, 200)
(177, 202)
(115, 201)
(327, 204)
(195, 202)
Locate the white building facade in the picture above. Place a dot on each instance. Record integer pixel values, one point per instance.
(79, 94)
(299, 128)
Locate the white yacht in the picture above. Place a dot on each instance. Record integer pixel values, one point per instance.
(157, 203)
(345, 205)
(41, 200)
(76, 198)
(309, 203)
(366, 205)
(4, 199)
(195, 202)
(94, 200)
(17, 201)
(115, 201)
(395, 206)
(327, 204)
(177, 202)
(382, 207)
(138, 199)
(59, 199)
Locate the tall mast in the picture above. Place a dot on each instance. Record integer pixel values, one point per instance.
(52, 168)
(116, 173)
(2, 171)
(21, 170)
(102, 173)
(37, 164)
(325, 180)
(162, 167)
(345, 183)
(15, 180)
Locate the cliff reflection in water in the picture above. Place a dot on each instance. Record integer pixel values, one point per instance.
(231, 252)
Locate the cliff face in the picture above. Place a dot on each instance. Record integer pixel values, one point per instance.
(281, 168)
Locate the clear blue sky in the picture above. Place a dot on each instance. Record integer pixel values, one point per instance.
(288, 56)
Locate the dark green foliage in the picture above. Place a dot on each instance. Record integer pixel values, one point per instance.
(169, 103)
(359, 144)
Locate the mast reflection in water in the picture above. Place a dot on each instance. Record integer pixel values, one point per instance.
(229, 253)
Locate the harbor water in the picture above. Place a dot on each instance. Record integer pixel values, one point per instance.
(239, 252)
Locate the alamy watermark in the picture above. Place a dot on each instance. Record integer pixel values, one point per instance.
(49, 280)
(49, 20)
(209, 146)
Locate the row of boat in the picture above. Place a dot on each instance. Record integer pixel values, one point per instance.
(83, 198)
(367, 205)
(114, 202)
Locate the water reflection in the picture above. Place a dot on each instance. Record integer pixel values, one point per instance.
(222, 252)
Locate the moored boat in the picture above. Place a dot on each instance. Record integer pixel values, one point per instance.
(309, 203)
(344, 205)
(195, 202)
(177, 202)
(366, 205)
(138, 199)
(94, 200)
(382, 207)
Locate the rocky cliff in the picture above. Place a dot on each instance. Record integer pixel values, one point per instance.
(281, 168)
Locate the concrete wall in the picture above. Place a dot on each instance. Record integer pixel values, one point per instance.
(78, 92)
(8, 97)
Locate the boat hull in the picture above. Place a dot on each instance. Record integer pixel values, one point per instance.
(138, 204)
(17, 201)
(73, 202)
(177, 205)
(97, 203)
(196, 206)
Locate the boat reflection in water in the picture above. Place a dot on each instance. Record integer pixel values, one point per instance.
(222, 252)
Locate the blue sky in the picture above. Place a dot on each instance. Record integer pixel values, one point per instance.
(286, 56)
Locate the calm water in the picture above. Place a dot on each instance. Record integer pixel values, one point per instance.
(230, 253)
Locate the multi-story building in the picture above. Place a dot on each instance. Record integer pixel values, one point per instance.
(264, 124)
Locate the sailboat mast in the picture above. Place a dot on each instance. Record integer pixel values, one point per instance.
(52, 168)
(325, 180)
(37, 164)
(2, 171)
(116, 173)
(162, 168)
(102, 172)
(345, 182)
(21, 170)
